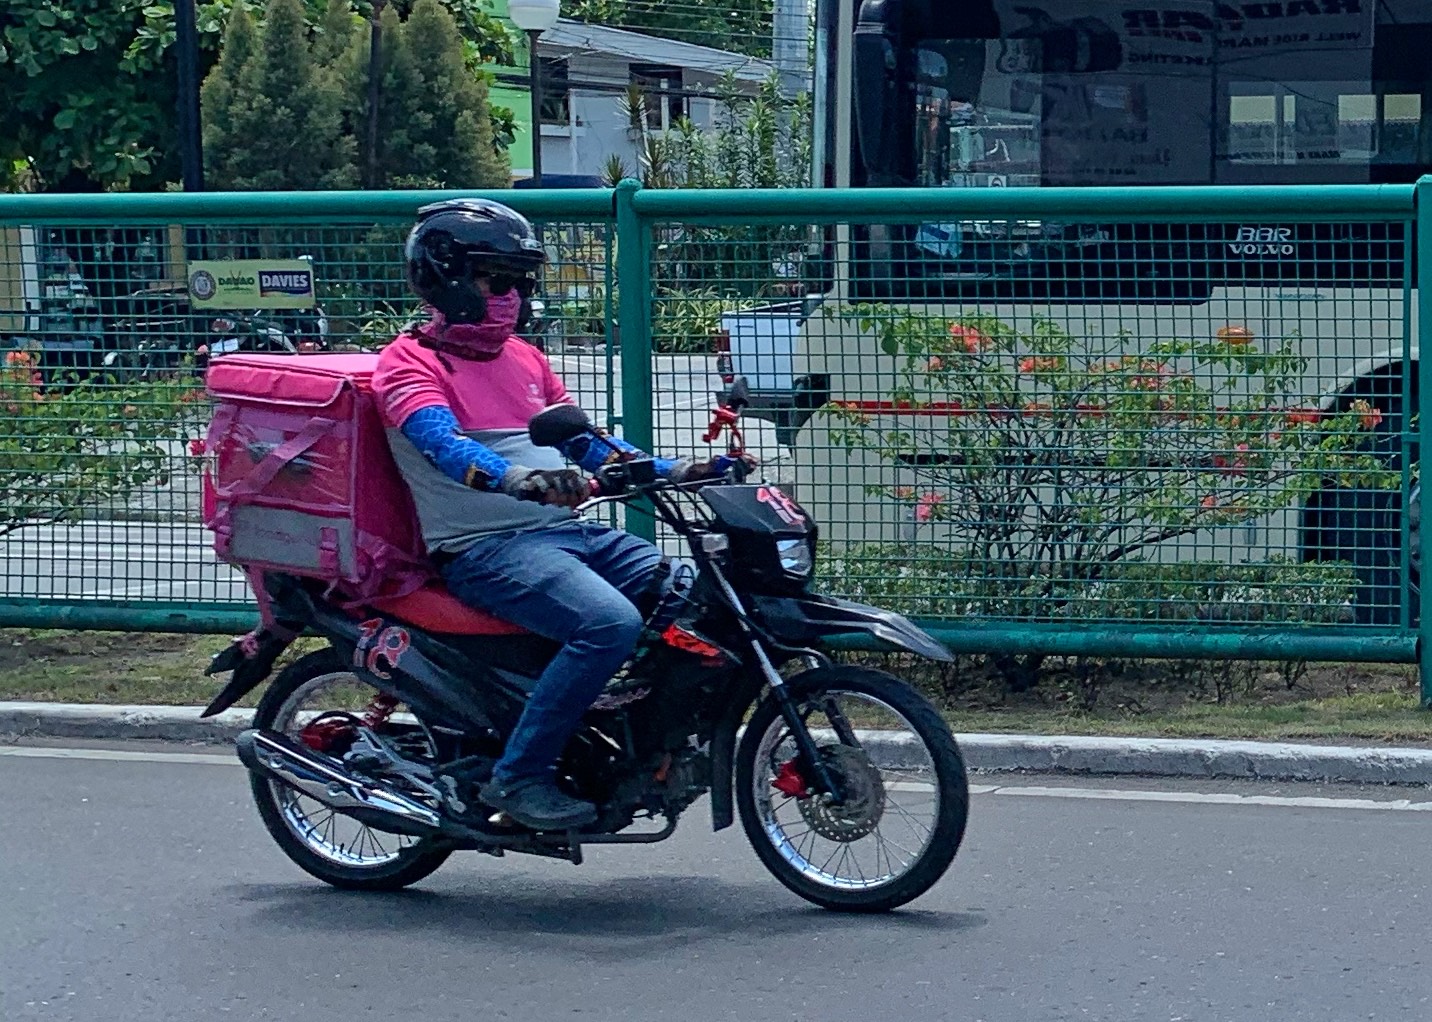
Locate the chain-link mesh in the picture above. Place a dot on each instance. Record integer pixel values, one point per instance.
(1025, 420)
(101, 390)
(1066, 418)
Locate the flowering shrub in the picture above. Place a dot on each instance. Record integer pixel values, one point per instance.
(66, 450)
(1045, 459)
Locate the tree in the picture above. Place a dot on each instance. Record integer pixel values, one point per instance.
(90, 84)
(79, 114)
(277, 115)
(441, 123)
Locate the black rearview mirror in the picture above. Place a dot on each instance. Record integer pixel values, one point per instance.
(739, 396)
(554, 426)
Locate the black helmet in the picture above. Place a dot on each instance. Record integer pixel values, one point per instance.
(457, 240)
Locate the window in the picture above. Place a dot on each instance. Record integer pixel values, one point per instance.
(556, 93)
(1320, 123)
(661, 88)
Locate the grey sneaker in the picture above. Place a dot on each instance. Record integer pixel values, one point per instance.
(540, 805)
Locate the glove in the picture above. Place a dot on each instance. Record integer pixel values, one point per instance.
(688, 470)
(565, 487)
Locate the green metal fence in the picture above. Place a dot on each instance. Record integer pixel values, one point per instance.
(1160, 421)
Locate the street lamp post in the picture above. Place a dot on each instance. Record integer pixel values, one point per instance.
(535, 17)
(186, 44)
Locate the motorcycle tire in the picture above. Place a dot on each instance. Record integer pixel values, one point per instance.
(410, 865)
(780, 850)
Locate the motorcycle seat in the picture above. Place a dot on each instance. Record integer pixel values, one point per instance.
(434, 609)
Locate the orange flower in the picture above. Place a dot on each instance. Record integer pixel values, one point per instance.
(1037, 408)
(973, 341)
(1235, 336)
(1369, 415)
(1304, 417)
(1038, 364)
(18, 358)
(1208, 503)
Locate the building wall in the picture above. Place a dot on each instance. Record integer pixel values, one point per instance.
(599, 126)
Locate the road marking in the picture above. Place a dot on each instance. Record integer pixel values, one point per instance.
(1017, 791)
(119, 755)
(1206, 798)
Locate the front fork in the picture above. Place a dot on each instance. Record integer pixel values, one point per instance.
(813, 768)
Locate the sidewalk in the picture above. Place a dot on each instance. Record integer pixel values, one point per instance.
(1156, 757)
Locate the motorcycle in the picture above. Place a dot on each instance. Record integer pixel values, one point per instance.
(160, 353)
(367, 758)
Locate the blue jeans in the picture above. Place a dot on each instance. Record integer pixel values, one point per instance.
(576, 583)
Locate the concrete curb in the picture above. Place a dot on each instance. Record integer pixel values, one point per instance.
(1154, 757)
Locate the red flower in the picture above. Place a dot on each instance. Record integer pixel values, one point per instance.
(1237, 465)
(196, 448)
(925, 508)
(1304, 417)
(1208, 503)
(935, 364)
(971, 339)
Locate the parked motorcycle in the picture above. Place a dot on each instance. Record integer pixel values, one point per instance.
(286, 331)
(367, 758)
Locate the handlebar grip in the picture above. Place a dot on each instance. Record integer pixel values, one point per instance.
(594, 486)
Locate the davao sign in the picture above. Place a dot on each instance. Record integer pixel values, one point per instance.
(251, 284)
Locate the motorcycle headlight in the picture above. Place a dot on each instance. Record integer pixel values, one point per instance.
(795, 557)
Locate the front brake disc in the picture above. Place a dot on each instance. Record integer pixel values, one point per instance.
(859, 812)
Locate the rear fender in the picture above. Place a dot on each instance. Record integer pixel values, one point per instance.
(251, 659)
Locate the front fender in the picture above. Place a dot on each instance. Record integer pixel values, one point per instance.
(743, 695)
(802, 620)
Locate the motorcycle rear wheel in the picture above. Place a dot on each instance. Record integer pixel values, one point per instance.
(899, 768)
(324, 843)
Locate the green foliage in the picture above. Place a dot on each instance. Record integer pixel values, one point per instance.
(758, 141)
(66, 450)
(923, 580)
(434, 125)
(90, 84)
(275, 114)
(79, 112)
(437, 124)
(1050, 461)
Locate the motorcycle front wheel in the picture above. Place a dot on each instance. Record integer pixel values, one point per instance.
(904, 792)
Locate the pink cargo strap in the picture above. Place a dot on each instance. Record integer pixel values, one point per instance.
(274, 462)
(224, 417)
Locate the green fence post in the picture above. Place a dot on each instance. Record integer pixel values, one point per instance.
(1423, 200)
(634, 316)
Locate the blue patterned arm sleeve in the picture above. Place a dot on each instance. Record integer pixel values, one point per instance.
(435, 432)
(592, 454)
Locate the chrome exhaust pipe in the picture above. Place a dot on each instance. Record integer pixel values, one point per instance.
(323, 778)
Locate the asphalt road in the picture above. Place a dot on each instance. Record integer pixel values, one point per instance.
(138, 890)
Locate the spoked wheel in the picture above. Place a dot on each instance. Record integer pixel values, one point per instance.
(905, 794)
(331, 846)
